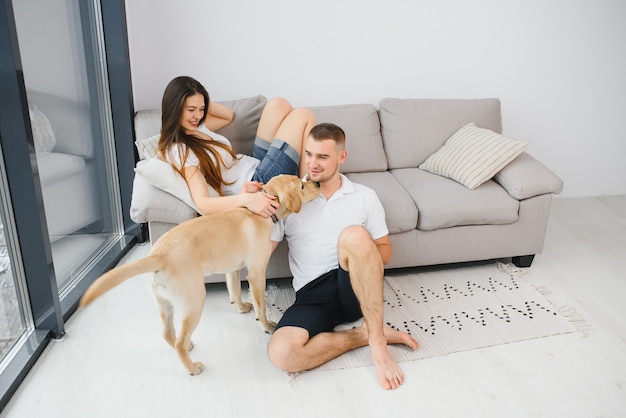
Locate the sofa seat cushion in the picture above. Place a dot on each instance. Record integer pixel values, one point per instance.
(363, 141)
(444, 203)
(55, 166)
(400, 211)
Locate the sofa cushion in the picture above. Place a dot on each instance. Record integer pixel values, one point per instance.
(363, 141)
(444, 203)
(413, 129)
(146, 148)
(526, 177)
(473, 155)
(400, 211)
(147, 123)
(162, 175)
(150, 204)
(240, 132)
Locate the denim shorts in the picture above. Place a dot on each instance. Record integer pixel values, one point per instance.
(279, 158)
(323, 304)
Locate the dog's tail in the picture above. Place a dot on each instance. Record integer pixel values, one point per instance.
(119, 275)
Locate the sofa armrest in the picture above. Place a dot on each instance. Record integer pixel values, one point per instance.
(526, 177)
(149, 203)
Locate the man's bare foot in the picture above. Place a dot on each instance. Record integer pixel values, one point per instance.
(398, 337)
(388, 372)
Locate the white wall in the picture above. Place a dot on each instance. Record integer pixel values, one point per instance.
(557, 65)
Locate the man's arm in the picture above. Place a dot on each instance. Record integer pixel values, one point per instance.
(274, 245)
(383, 244)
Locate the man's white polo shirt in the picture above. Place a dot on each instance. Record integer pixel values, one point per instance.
(312, 233)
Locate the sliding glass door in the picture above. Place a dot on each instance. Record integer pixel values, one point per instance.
(66, 166)
(15, 318)
(69, 110)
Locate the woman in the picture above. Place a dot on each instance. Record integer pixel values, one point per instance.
(206, 160)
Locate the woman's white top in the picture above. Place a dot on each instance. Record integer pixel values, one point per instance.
(237, 170)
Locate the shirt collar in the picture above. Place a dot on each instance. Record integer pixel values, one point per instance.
(346, 187)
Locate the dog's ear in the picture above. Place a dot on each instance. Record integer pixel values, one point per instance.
(292, 201)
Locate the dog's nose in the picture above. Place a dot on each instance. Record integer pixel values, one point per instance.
(317, 184)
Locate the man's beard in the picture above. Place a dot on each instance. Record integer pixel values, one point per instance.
(322, 177)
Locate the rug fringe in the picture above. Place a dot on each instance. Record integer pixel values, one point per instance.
(511, 268)
(543, 290)
(292, 377)
(573, 317)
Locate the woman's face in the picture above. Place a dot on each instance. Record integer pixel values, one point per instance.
(193, 111)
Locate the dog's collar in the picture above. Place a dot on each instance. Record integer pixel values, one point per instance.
(274, 217)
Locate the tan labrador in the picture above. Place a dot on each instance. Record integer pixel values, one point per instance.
(221, 243)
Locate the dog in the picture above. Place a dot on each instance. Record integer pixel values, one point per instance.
(224, 242)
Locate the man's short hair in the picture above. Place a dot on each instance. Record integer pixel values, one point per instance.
(323, 131)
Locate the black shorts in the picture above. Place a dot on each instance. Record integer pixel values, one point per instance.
(323, 304)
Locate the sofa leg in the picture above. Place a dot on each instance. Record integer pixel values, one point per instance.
(523, 260)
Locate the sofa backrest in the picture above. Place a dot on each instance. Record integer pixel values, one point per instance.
(240, 132)
(402, 133)
(413, 129)
(363, 141)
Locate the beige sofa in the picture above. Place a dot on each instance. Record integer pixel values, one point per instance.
(432, 219)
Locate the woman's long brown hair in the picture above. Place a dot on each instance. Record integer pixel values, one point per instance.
(172, 133)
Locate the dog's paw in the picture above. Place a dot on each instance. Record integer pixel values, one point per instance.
(243, 307)
(269, 327)
(196, 368)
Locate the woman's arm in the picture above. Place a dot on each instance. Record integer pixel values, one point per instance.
(260, 203)
(218, 116)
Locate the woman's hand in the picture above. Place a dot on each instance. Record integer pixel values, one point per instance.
(251, 187)
(262, 203)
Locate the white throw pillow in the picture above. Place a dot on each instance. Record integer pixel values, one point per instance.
(473, 155)
(162, 175)
(147, 147)
(43, 135)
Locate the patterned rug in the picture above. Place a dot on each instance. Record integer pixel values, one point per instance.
(452, 310)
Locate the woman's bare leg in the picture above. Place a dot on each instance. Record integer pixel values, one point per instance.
(274, 113)
(280, 121)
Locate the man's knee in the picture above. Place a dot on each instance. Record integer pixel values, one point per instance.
(354, 237)
(283, 350)
(277, 353)
(356, 245)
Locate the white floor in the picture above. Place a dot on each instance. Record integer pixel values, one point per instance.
(113, 362)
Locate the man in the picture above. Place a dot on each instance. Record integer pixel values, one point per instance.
(338, 245)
